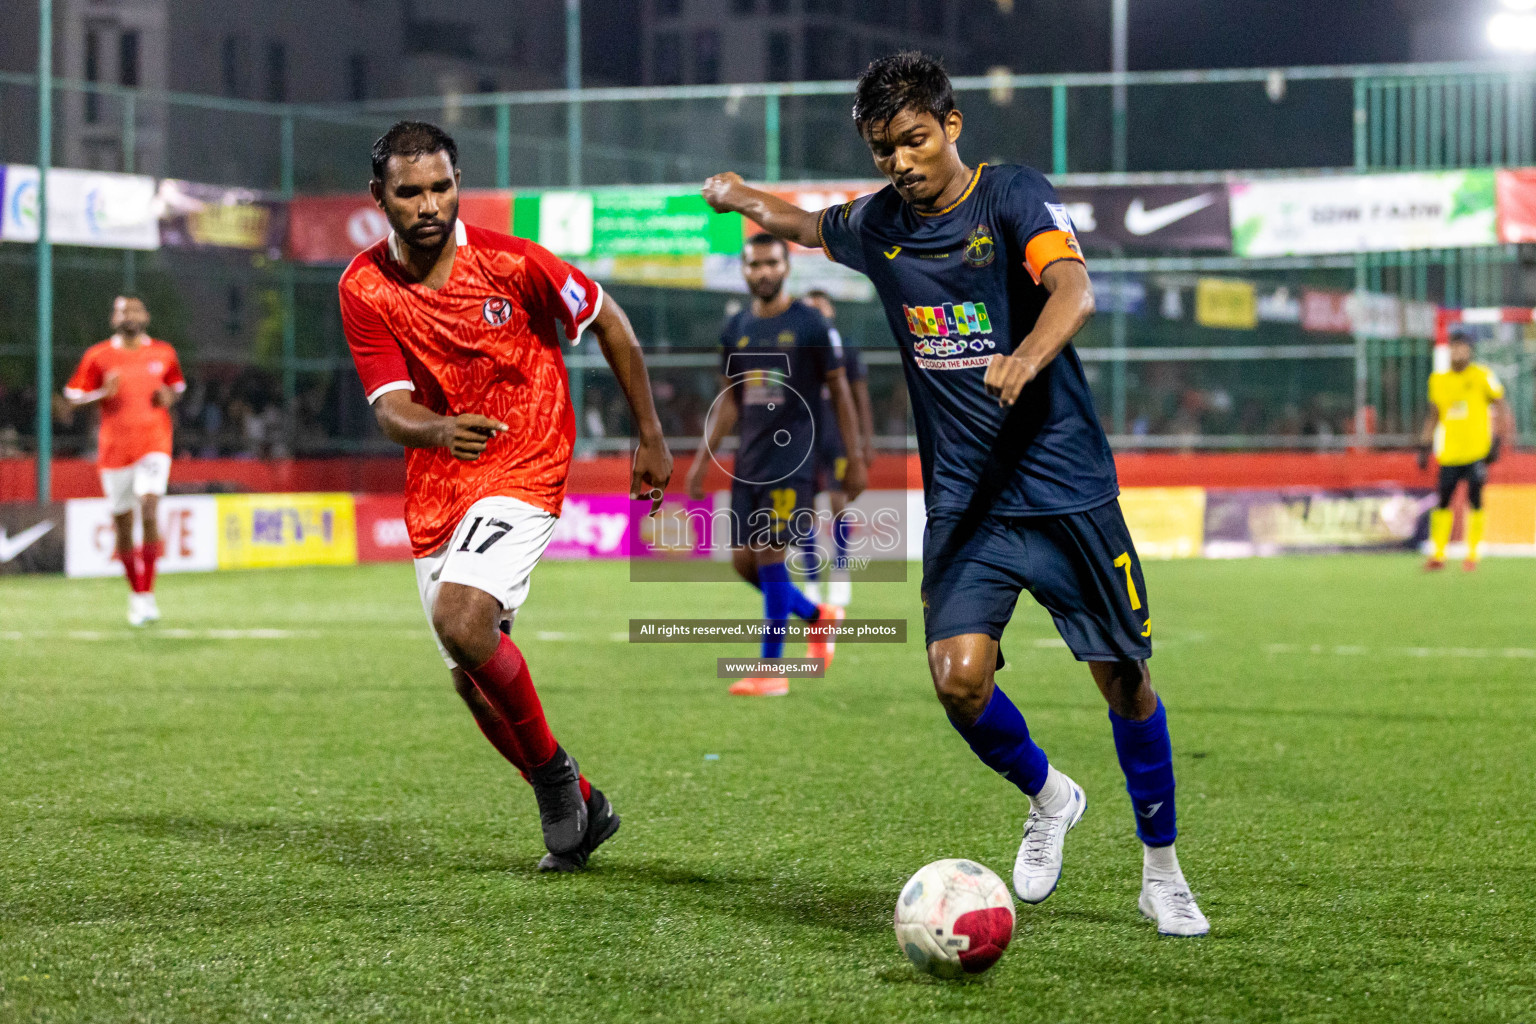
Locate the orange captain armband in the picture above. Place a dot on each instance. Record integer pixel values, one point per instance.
(1047, 247)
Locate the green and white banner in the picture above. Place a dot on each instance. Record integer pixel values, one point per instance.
(1363, 213)
(624, 222)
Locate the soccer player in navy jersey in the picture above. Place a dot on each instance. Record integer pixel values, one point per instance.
(775, 357)
(984, 286)
(832, 463)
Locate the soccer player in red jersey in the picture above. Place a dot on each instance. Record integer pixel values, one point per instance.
(454, 331)
(135, 379)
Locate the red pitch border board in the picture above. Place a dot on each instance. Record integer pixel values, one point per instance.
(77, 478)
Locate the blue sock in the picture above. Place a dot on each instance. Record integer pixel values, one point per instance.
(810, 558)
(1001, 739)
(775, 611)
(777, 587)
(1146, 757)
(841, 528)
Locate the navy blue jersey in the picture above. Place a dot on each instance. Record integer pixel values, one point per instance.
(777, 366)
(960, 286)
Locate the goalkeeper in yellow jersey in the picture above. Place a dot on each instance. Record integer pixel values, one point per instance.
(1467, 423)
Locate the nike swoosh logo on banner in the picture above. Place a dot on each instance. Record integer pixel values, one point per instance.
(1141, 221)
(1151, 810)
(10, 547)
(892, 254)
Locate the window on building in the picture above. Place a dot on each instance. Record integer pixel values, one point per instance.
(742, 6)
(781, 57)
(826, 52)
(706, 57)
(357, 77)
(92, 74)
(128, 59)
(231, 65)
(667, 59)
(669, 8)
(277, 72)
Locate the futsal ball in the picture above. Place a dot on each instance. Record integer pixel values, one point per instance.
(954, 917)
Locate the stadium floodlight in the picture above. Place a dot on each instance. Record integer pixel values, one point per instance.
(1513, 32)
(1519, 5)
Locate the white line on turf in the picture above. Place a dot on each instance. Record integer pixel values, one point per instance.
(1353, 650)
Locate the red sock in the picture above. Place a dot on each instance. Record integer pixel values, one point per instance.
(131, 569)
(508, 686)
(148, 555)
(495, 729)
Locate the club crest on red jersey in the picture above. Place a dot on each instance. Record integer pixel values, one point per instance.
(496, 311)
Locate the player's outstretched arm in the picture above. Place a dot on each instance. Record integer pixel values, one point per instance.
(727, 193)
(856, 478)
(721, 422)
(1065, 312)
(652, 468)
(81, 399)
(415, 426)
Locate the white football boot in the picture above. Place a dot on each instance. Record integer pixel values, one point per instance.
(1165, 896)
(1037, 868)
(840, 590)
(136, 614)
(812, 591)
(150, 608)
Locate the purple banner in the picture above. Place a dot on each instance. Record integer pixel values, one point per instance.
(197, 216)
(1244, 523)
(610, 526)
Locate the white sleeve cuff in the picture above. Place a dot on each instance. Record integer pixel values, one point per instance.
(179, 386)
(596, 308)
(76, 395)
(384, 389)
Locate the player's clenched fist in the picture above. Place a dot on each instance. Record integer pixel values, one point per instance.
(719, 189)
(1006, 377)
(469, 433)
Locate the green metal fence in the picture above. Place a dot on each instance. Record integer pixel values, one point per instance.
(1182, 126)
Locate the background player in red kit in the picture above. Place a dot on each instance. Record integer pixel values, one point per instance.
(453, 331)
(135, 379)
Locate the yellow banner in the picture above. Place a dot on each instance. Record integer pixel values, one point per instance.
(1511, 514)
(1165, 522)
(262, 531)
(1225, 302)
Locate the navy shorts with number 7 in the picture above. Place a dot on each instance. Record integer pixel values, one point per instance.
(1080, 566)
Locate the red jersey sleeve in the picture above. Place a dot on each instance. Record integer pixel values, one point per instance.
(375, 352)
(87, 377)
(173, 378)
(573, 297)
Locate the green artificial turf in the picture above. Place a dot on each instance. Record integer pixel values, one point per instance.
(304, 824)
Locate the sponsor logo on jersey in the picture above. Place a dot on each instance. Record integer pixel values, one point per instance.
(953, 319)
(496, 311)
(156, 366)
(979, 247)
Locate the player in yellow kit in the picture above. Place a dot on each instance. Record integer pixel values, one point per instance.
(1467, 424)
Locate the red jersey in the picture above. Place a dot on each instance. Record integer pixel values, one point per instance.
(132, 425)
(484, 343)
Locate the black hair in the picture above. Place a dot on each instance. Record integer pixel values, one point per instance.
(412, 138)
(764, 238)
(1461, 334)
(909, 80)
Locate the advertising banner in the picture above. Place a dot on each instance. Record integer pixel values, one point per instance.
(1245, 523)
(97, 208)
(1516, 190)
(260, 531)
(1376, 316)
(1165, 522)
(607, 526)
(1154, 218)
(196, 216)
(333, 229)
(1363, 213)
(189, 529)
(31, 537)
(624, 222)
(1325, 312)
(381, 532)
(1226, 302)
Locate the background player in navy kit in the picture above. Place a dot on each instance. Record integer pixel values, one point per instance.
(832, 463)
(984, 285)
(775, 356)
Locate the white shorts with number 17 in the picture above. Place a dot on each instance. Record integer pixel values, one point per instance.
(494, 549)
